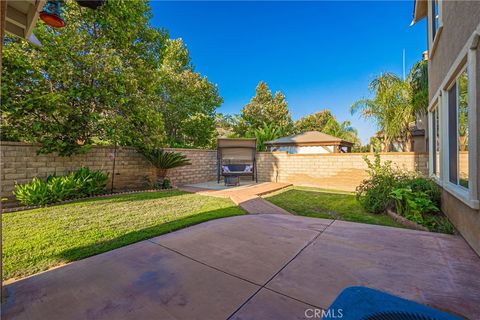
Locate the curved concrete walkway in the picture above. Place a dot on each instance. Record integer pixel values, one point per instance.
(253, 267)
(247, 197)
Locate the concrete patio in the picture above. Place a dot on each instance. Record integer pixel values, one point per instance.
(253, 267)
(247, 195)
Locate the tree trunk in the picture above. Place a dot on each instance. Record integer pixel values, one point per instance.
(385, 145)
(161, 174)
(463, 143)
(408, 142)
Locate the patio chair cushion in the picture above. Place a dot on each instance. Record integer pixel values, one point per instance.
(237, 169)
(248, 168)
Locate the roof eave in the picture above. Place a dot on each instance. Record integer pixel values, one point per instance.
(21, 17)
(420, 10)
(310, 143)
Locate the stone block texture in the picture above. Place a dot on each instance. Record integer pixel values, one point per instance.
(330, 171)
(20, 163)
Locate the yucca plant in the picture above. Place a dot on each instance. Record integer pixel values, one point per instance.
(164, 160)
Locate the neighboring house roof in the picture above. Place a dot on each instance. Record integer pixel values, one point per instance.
(309, 138)
(420, 10)
(418, 132)
(21, 17)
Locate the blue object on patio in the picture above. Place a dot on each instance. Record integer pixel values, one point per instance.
(362, 303)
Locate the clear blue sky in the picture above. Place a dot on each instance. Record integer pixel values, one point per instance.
(319, 54)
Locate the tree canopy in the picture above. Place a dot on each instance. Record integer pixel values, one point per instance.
(324, 121)
(107, 76)
(396, 103)
(263, 109)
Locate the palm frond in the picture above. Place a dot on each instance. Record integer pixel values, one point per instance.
(166, 159)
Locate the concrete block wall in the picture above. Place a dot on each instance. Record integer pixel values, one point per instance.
(20, 163)
(202, 169)
(330, 171)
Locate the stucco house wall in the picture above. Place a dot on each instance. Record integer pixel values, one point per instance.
(460, 19)
(458, 39)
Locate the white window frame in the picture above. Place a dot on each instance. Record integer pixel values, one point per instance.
(459, 188)
(467, 56)
(468, 196)
(433, 40)
(432, 140)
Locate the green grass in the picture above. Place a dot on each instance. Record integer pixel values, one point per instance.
(319, 203)
(36, 240)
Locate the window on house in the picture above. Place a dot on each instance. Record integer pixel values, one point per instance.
(435, 18)
(436, 142)
(458, 109)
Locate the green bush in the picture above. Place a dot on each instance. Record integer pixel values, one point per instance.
(421, 184)
(33, 193)
(413, 205)
(374, 192)
(163, 184)
(89, 182)
(78, 184)
(61, 188)
(413, 196)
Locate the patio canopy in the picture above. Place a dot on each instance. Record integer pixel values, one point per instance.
(236, 149)
(236, 152)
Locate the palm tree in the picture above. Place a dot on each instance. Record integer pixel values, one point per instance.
(164, 160)
(342, 130)
(396, 103)
(391, 107)
(418, 79)
(266, 133)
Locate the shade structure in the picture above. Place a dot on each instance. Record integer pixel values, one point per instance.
(238, 154)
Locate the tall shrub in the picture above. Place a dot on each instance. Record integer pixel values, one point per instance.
(374, 192)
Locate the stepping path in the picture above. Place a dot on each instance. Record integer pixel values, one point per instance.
(247, 197)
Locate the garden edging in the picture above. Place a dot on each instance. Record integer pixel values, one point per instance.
(404, 221)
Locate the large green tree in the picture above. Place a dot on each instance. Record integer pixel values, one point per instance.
(314, 122)
(263, 109)
(189, 100)
(107, 76)
(93, 79)
(324, 121)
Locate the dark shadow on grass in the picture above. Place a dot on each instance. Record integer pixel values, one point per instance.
(146, 233)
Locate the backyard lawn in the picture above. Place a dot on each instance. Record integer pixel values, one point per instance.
(36, 240)
(319, 203)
